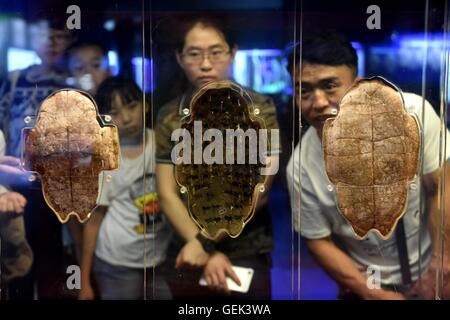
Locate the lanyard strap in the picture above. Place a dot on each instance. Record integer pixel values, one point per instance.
(403, 253)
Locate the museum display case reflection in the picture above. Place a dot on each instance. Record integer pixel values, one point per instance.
(86, 194)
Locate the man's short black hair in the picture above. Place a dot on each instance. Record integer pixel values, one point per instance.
(327, 48)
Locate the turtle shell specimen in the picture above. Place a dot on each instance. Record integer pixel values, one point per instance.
(69, 149)
(221, 196)
(371, 152)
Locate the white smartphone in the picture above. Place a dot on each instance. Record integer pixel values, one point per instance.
(245, 275)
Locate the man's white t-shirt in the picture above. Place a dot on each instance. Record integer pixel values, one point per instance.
(2, 153)
(121, 238)
(320, 218)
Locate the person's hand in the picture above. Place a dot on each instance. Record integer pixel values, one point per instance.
(425, 288)
(380, 294)
(192, 255)
(86, 292)
(12, 202)
(390, 295)
(217, 270)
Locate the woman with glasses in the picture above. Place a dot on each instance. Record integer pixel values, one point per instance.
(205, 53)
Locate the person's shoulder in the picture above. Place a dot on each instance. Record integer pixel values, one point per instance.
(412, 99)
(258, 98)
(310, 139)
(415, 103)
(170, 108)
(267, 108)
(23, 73)
(308, 148)
(14, 75)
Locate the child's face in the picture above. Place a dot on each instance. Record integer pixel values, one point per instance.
(89, 61)
(128, 117)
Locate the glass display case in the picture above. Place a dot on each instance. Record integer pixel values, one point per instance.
(268, 150)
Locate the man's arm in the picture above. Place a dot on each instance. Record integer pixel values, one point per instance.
(90, 233)
(192, 253)
(341, 268)
(431, 188)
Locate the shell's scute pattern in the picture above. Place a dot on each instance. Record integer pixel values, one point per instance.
(220, 196)
(69, 149)
(371, 152)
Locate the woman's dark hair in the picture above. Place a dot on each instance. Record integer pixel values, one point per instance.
(127, 89)
(219, 23)
(326, 48)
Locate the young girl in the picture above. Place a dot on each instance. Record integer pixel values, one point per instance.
(116, 237)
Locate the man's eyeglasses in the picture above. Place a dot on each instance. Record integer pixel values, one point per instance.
(197, 57)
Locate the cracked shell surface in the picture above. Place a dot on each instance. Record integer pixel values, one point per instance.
(220, 196)
(371, 152)
(69, 148)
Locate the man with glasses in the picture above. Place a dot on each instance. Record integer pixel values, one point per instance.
(327, 70)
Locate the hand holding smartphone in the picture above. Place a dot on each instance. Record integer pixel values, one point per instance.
(245, 275)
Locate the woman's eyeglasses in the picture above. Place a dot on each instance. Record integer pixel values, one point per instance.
(197, 57)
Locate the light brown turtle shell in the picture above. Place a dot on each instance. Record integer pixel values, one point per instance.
(221, 197)
(69, 149)
(371, 152)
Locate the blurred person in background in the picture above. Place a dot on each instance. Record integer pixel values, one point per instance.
(21, 95)
(88, 64)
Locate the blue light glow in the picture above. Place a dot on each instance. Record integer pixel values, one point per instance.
(113, 61)
(361, 58)
(417, 40)
(407, 52)
(18, 59)
(137, 72)
(263, 70)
